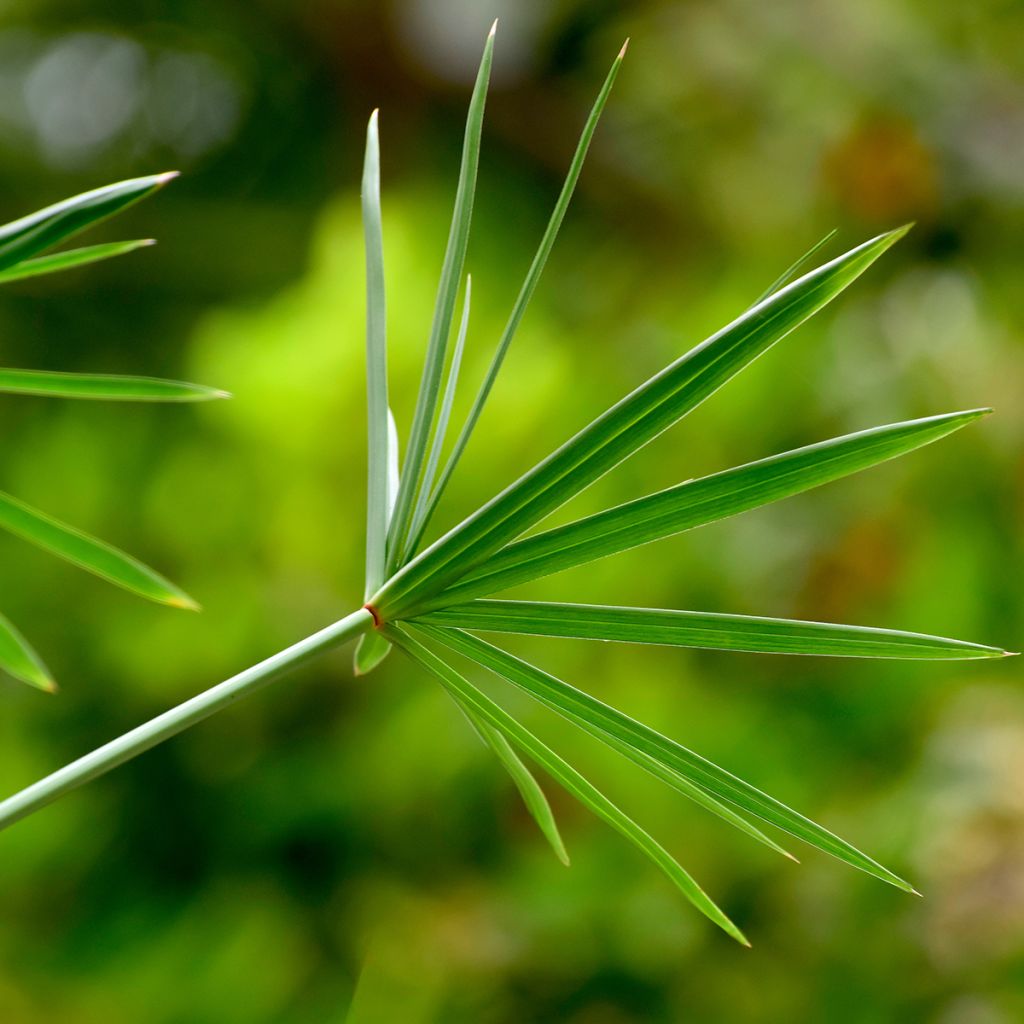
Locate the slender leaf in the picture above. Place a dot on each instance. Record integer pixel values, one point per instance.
(88, 553)
(444, 311)
(566, 775)
(19, 659)
(529, 789)
(419, 518)
(623, 429)
(30, 235)
(699, 502)
(70, 259)
(703, 629)
(377, 511)
(530, 284)
(106, 387)
(680, 785)
(573, 703)
(791, 271)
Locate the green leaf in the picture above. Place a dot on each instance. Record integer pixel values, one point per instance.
(377, 505)
(104, 387)
(703, 629)
(30, 235)
(564, 774)
(529, 789)
(88, 553)
(791, 271)
(70, 259)
(420, 517)
(698, 502)
(530, 284)
(18, 659)
(623, 429)
(681, 785)
(444, 311)
(573, 703)
(371, 650)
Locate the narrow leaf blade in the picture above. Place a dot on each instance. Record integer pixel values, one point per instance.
(377, 505)
(710, 630)
(19, 659)
(88, 553)
(791, 271)
(680, 784)
(423, 503)
(567, 776)
(699, 502)
(444, 310)
(723, 785)
(625, 428)
(30, 235)
(529, 789)
(530, 284)
(104, 387)
(70, 260)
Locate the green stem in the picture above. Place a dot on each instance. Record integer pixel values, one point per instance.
(170, 723)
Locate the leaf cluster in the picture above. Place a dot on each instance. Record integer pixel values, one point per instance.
(430, 600)
(22, 246)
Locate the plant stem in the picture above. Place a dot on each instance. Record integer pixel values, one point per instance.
(170, 723)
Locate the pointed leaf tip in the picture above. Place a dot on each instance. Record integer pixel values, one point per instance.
(494, 28)
(167, 176)
(625, 46)
(184, 602)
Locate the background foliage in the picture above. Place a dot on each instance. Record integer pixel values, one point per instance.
(251, 869)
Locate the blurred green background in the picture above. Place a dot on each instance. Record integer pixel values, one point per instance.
(334, 832)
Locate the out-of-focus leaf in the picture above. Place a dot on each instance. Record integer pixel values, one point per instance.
(104, 387)
(30, 235)
(19, 659)
(70, 259)
(90, 554)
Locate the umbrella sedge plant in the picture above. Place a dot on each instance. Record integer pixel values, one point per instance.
(432, 600)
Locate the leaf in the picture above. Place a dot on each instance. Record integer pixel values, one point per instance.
(70, 259)
(790, 272)
(444, 310)
(371, 650)
(529, 789)
(38, 231)
(104, 387)
(564, 774)
(18, 659)
(703, 629)
(681, 785)
(90, 554)
(419, 518)
(377, 505)
(573, 703)
(699, 502)
(623, 429)
(393, 473)
(530, 284)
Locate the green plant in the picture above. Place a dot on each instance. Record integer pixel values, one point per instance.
(430, 600)
(21, 241)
